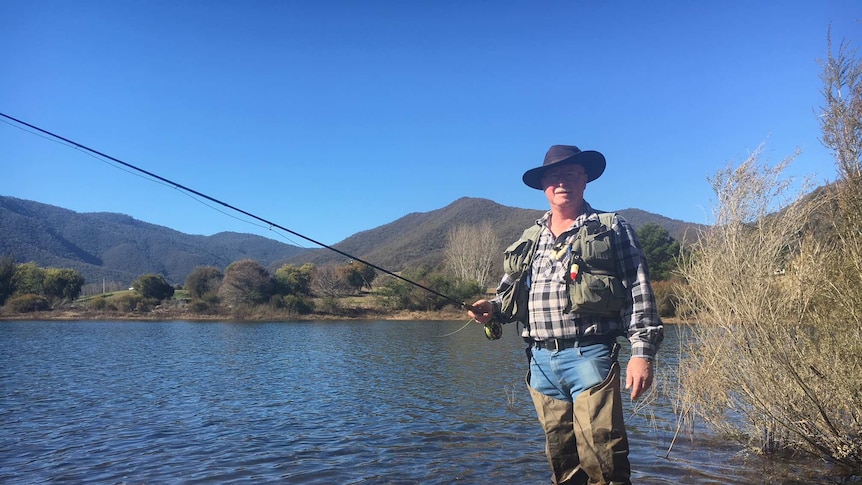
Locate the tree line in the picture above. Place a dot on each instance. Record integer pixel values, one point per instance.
(466, 273)
(28, 287)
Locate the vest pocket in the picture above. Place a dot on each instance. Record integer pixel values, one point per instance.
(599, 249)
(514, 256)
(596, 294)
(514, 302)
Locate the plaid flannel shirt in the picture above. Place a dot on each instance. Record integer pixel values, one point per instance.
(638, 319)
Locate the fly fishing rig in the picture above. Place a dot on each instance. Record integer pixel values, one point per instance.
(493, 329)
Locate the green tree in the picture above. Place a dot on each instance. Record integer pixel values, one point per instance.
(203, 280)
(153, 286)
(62, 284)
(660, 249)
(7, 272)
(398, 294)
(357, 275)
(293, 280)
(246, 282)
(29, 279)
(395, 294)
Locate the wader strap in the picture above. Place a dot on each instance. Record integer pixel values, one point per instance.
(615, 352)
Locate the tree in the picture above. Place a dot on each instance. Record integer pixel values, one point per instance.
(293, 280)
(62, 284)
(153, 286)
(398, 294)
(7, 272)
(28, 279)
(471, 250)
(203, 280)
(357, 275)
(660, 250)
(328, 282)
(455, 288)
(246, 282)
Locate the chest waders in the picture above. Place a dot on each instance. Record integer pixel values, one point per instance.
(585, 439)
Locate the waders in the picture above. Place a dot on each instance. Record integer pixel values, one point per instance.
(585, 440)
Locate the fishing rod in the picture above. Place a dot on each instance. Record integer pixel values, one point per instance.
(492, 329)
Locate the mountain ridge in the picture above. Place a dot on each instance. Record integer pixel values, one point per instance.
(118, 247)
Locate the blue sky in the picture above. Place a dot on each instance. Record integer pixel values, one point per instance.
(334, 117)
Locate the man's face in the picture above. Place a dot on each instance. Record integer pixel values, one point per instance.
(565, 184)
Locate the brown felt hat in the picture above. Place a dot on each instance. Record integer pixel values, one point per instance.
(592, 161)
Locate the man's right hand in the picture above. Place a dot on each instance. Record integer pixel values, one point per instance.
(481, 311)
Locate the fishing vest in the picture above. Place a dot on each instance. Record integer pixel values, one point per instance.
(593, 285)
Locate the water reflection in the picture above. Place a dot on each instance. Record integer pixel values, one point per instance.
(304, 402)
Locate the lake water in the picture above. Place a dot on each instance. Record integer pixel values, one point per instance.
(307, 402)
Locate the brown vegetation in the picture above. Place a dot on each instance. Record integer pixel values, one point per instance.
(777, 354)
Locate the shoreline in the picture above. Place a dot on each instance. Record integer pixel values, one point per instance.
(171, 315)
(174, 315)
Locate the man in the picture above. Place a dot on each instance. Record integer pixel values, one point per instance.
(577, 281)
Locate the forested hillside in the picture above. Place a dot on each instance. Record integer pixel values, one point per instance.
(119, 248)
(419, 238)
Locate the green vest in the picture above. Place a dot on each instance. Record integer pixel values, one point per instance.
(593, 285)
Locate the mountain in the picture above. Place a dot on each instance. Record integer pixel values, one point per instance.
(117, 247)
(120, 248)
(418, 239)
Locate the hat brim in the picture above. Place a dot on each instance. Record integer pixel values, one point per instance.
(592, 161)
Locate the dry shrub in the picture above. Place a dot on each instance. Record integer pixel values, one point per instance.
(775, 360)
(665, 292)
(27, 303)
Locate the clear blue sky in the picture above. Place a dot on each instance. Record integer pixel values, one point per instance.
(334, 117)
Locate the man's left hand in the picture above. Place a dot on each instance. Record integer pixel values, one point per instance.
(639, 375)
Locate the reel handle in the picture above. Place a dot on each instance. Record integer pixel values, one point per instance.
(493, 329)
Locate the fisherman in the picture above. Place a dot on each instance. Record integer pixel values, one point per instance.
(577, 280)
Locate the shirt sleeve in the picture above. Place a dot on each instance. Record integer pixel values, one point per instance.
(497, 302)
(640, 314)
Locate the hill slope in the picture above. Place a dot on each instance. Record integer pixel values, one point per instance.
(419, 238)
(119, 248)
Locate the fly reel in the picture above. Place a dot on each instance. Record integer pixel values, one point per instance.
(493, 330)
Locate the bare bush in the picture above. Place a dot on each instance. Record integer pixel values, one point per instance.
(841, 123)
(471, 251)
(328, 283)
(771, 364)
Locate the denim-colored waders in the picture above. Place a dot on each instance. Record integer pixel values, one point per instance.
(576, 392)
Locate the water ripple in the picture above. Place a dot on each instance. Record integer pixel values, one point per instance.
(310, 403)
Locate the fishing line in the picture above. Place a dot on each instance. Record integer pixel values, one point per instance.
(111, 163)
(456, 331)
(189, 191)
